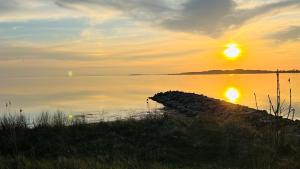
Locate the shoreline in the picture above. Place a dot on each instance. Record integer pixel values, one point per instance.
(194, 132)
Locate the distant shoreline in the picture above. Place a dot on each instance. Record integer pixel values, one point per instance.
(224, 72)
(236, 71)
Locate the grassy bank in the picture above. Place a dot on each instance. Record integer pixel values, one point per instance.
(153, 142)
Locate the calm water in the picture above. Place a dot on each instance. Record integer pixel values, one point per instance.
(122, 96)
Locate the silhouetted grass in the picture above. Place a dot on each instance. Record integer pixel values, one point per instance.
(152, 142)
(13, 121)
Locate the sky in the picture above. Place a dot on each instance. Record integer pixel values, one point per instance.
(112, 37)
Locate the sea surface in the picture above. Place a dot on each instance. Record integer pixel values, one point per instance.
(126, 96)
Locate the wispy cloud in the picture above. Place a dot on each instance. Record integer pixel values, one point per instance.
(197, 16)
(8, 6)
(210, 17)
(154, 56)
(9, 52)
(290, 34)
(20, 10)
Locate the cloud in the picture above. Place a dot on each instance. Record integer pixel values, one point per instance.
(210, 17)
(201, 16)
(290, 34)
(8, 52)
(154, 56)
(152, 6)
(28, 53)
(7, 6)
(215, 16)
(20, 10)
(138, 9)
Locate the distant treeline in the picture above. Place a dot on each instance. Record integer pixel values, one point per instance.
(236, 71)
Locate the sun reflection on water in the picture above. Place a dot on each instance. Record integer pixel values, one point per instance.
(232, 94)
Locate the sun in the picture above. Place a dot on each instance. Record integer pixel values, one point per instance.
(232, 94)
(232, 51)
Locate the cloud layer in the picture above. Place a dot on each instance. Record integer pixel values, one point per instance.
(210, 17)
(215, 16)
(290, 34)
(198, 16)
(7, 6)
(134, 34)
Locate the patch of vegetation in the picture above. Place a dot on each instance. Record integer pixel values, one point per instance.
(160, 142)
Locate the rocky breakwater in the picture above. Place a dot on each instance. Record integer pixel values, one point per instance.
(195, 105)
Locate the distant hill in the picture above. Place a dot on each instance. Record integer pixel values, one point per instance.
(236, 71)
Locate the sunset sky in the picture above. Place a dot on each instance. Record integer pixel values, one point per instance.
(97, 37)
